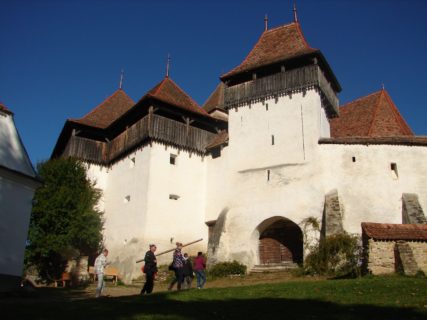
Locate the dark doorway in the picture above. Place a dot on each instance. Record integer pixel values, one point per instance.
(280, 241)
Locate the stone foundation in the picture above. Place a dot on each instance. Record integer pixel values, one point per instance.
(382, 258)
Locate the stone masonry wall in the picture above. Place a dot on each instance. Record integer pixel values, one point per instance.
(412, 212)
(382, 256)
(332, 215)
(419, 250)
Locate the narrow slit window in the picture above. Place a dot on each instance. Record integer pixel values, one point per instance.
(272, 139)
(132, 162)
(268, 175)
(173, 197)
(266, 107)
(126, 199)
(393, 168)
(353, 159)
(172, 159)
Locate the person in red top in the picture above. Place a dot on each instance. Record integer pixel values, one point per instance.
(199, 269)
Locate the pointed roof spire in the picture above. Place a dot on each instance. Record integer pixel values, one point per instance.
(265, 22)
(295, 12)
(122, 74)
(382, 86)
(168, 65)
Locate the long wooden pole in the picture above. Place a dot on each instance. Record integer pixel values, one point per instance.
(170, 250)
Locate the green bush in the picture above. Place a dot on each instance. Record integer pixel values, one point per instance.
(337, 255)
(224, 269)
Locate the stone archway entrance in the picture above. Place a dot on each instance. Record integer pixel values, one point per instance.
(280, 241)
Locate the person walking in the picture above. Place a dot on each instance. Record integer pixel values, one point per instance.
(150, 270)
(100, 264)
(199, 270)
(188, 272)
(178, 266)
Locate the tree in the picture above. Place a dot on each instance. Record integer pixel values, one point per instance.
(64, 219)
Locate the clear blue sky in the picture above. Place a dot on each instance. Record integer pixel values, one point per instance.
(60, 59)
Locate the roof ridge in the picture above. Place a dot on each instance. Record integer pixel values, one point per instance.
(279, 27)
(186, 94)
(302, 36)
(219, 86)
(377, 106)
(102, 103)
(360, 98)
(161, 85)
(401, 121)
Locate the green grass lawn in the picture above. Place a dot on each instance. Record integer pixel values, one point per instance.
(373, 298)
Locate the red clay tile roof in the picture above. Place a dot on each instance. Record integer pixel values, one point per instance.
(108, 111)
(216, 99)
(395, 140)
(5, 109)
(219, 139)
(169, 92)
(372, 116)
(386, 231)
(274, 45)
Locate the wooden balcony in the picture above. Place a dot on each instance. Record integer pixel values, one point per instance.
(150, 128)
(287, 82)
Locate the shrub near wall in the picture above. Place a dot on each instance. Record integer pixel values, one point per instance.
(224, 269)
(336, 255)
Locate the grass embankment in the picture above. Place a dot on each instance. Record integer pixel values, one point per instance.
(367, 298)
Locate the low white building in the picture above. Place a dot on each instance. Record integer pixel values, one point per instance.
(270, 148)
(18, 182)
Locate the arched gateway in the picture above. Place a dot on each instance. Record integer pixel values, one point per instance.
(280, 241)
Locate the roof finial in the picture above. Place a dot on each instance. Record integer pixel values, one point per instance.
(265, 22)
(295, 13)
(168, 65)
(122, 74)
(382, 86)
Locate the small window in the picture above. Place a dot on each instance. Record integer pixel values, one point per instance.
(172, 159)
(353, 159)
(132, 162)
(126, 199)
(272, 140)
(266, 107)
(394, 172)
(173, 197)
(268, 175)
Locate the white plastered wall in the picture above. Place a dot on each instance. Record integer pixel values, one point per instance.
(260, 180)
(138, 208)
(368, 188)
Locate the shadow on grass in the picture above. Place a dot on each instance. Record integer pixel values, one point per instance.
(165, 306)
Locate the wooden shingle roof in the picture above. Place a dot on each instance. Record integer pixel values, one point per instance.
(274, 45)
(216, 99)
(387, 231)
(169, 92)
(374, 115)
(219, 139)
(108, 111)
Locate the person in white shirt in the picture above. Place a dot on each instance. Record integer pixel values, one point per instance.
(100, 264)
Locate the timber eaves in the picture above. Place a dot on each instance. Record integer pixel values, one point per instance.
(396, 140)
(158, 129)
(283, 83)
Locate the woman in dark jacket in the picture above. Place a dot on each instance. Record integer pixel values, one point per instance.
(150, 269)
(178, 267)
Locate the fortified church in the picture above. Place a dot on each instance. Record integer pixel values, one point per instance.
(270, 148)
